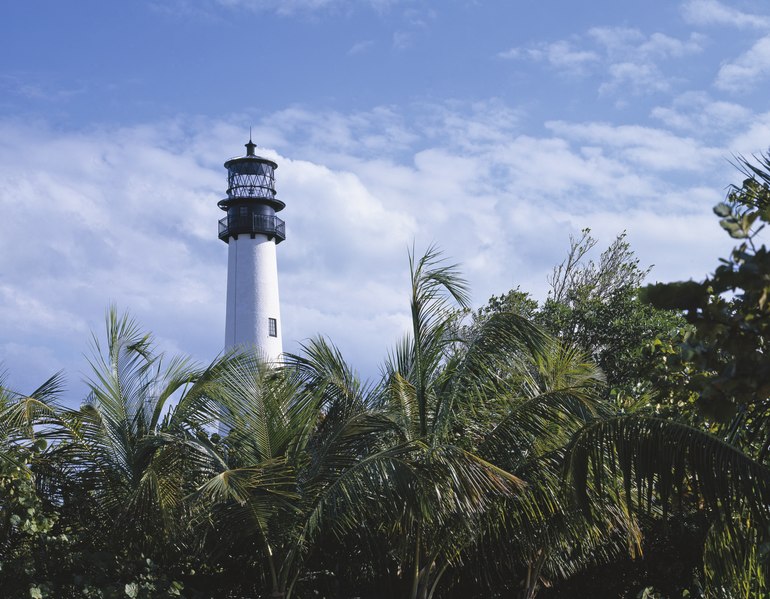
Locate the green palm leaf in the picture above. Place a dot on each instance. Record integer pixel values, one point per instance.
(656, 457)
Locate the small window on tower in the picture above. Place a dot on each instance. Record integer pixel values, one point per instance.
(272, 327)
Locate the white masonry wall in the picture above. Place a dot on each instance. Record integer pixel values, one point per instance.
(252, 296)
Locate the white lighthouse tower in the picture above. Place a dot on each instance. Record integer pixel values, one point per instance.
(252, 230)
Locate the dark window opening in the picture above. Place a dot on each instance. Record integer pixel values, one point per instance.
(272, 327)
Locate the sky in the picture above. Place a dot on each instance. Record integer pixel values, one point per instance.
(493, 129)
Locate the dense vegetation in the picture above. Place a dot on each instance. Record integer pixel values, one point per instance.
(613, 441)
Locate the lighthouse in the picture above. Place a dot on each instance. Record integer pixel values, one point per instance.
(252, 230)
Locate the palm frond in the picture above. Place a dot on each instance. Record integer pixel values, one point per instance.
(656, 459)
(503, 345)
(323, 371)
(266, 413)
(273, 477)
(534, 426)
(28, 416)
(202, 401)
(735, 558)
(434, 283)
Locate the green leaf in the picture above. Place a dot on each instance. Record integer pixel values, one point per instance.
(733, 228)
(722, 209)
(684, 295)
(748, 219)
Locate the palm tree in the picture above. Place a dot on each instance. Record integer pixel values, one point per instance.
(294, 432)
(134, 449)
(251, 493)
(472, 427)
(22, 416)
(536, 535)
(650, 464)
(392, 455)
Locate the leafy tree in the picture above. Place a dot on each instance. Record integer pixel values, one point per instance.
(455, 457)
(430, 387)
(130, 454)
(579, 278)
(596, 306)
(730, 312)
(663, 461)
(26, 521)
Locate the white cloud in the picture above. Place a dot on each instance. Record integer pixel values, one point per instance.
(378, 132)
(697, 112)
(37, 89)
(360, 47)
(616, 39)
(665, 46)
(713, 12)
(283, 6)
(129, 215)
(560, 55)
(748, 70)
(645, 147)
(40, 313)
(403, 39)
(624, 43)
(414, 23)
(28, 365)
(635, 78)
(626, 59)
(470, 126)
(633, 58)
(419, 18)
(754, 139)
(664, 234)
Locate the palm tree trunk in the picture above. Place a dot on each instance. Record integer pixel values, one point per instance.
(439, 575)
(290, 589)
(277, 592)
(424, 580)
(416, 568)
(533, 574)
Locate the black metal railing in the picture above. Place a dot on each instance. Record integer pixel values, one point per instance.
(272, 226)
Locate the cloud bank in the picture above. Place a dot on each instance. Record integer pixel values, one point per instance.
(128, 215)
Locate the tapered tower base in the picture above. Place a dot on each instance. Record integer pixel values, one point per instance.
(253, 309)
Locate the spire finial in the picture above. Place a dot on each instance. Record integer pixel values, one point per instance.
(250, 146)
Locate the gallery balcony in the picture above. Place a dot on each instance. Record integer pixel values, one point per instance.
(251, 224)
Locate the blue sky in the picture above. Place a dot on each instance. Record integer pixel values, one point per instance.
(493, 129)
